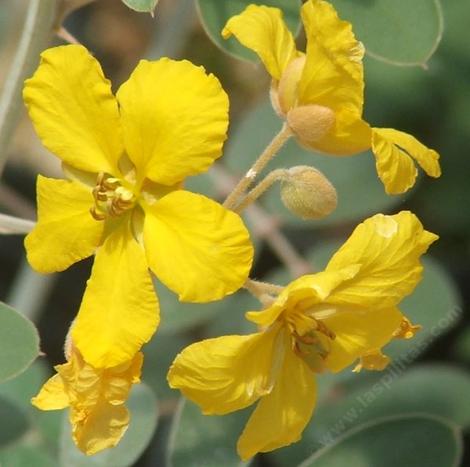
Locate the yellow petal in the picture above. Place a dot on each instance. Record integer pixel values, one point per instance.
(120, 378)
(175, 119)
(197, 248)
(262, 29)
(359, 332)
(303, 293)
(119, 310)
(66, 232)
(349, 135)
(228, 373)
(388, 250)
(373, 360)
(100, 429)
(74, 111)
(333, 74)
(52, 395)
(282, 415)
(394, 152)
(265, 317)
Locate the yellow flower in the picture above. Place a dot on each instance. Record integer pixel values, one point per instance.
(319, 322)
(126, 159)
(96, 398)
(320, 92)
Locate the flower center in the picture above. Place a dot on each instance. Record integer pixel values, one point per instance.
(311, 339)
(111, 198)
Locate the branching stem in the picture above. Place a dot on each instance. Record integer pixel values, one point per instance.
(271, 150)
(259, 189)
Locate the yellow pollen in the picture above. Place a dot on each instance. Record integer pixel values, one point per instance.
(111, 198)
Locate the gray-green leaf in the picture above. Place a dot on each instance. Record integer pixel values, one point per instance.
(146, 6)
(19, 343)
(398, 32)
(198, 439)
(406, 441)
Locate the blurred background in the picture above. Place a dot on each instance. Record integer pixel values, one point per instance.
(431, 102)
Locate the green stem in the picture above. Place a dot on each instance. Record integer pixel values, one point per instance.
(37, 31)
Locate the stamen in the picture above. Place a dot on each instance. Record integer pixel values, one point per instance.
(311, 347)
(111, 198)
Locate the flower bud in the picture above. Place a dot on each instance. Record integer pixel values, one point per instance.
(308, 193)
(310, 122)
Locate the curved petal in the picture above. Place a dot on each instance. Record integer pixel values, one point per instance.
(175, 119)
(302, 294)
(52, 395)
(359, 332)
(66, 232)
(227, 373)
(102, 428)
(265, 317)
(119, 310)
(349, 135)
(388, 250)
(74, 111)
(282, 415)
(394, 152)
(263, 30)
(333, 75)
(196, 247)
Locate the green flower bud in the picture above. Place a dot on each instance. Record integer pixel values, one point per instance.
(308, 193)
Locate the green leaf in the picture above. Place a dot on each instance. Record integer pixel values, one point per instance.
(17, 425)
(462, 345)
(215, 13)
(147, 6)
(405, 440)
(198, 439)
(434, 389)
(19, 343)
(20, 390)
(360, 192)
(142, 405)
(398, 32)
(26, 456)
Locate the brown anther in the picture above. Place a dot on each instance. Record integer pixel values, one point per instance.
(321, 327)
(96, 215)
(307, 339)
(406, 329)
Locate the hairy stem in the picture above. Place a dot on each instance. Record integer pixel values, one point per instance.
(257, 288)
(271, 150)
(259, 189)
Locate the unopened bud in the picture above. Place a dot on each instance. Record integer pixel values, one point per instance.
(308, 193)
(310, 123)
